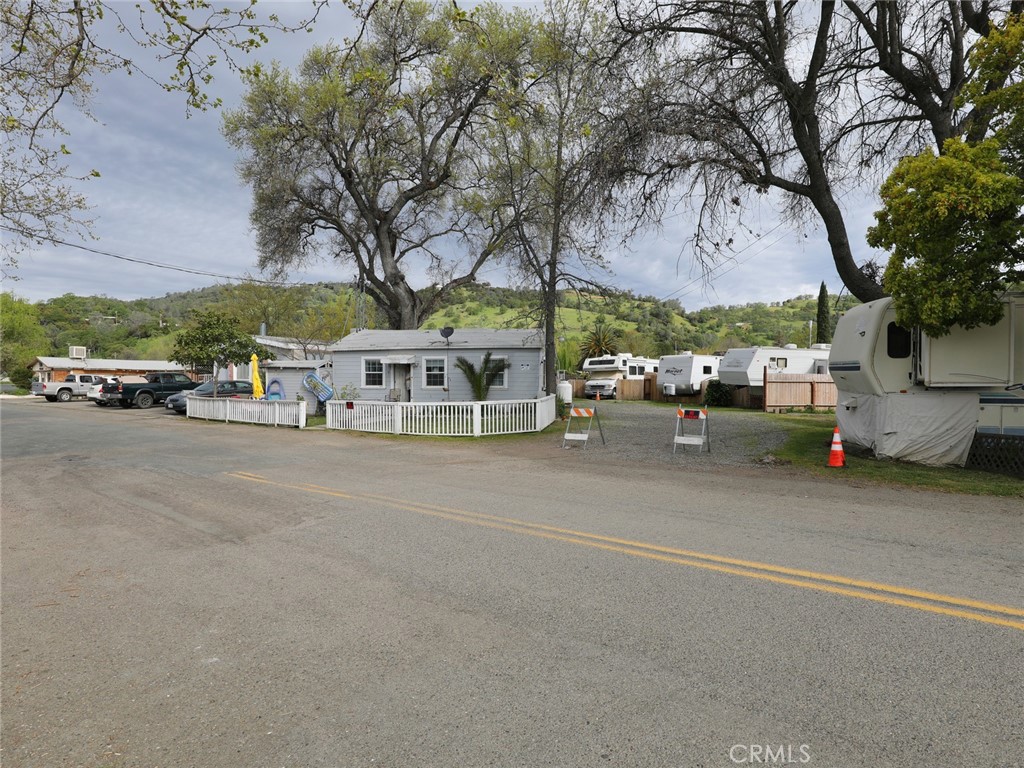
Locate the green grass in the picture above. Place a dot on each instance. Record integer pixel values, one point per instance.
(810, 439)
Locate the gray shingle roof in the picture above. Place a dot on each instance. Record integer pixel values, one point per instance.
(463, 338)
(104, 364)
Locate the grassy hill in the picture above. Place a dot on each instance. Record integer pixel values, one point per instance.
(145, 328)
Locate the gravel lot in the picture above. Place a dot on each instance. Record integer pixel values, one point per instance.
(642, 432)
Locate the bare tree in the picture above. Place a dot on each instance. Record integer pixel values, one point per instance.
(544, 151)
(810, 100)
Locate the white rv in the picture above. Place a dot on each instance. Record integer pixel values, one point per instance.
(607, 370)
(745, 367)
(683, 374)
(905, 395)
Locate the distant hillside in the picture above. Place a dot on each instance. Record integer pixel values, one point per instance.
(145, 328)
(654, 327)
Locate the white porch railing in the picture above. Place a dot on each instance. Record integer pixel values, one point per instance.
(465, 419)
(276, 413)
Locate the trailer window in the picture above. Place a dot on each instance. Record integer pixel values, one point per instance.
(897, 341)
(707, 369)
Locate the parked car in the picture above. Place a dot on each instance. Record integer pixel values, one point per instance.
(95, 393)
(178, 402)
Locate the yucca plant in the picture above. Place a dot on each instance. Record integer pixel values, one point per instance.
(480, 379)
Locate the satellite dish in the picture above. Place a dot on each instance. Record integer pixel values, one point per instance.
(447, 331)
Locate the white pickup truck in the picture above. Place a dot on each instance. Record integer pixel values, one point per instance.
(74, 385)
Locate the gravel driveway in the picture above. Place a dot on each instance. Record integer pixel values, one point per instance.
(638, 431)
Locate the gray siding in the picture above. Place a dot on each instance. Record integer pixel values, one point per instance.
(291, 382)
(523, 376)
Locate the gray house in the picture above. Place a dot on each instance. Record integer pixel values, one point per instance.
(419, 366)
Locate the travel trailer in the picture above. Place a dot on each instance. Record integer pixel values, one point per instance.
(683, 374)
(745, 367)
(905, 395)
(606, 371)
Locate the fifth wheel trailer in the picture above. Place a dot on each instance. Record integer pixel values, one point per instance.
(905, 395)
(745, 366)
(683, 374)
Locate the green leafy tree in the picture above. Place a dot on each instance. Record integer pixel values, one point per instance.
(824, 319)
(256, 304)
(363, 154)
(996, 96)
(568, 354)
(22, 339)
(214, 339)
(953, 225)
(481, 379)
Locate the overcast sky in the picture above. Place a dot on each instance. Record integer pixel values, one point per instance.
(168, 194)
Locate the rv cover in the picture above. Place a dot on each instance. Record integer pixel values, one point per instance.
(934, 428)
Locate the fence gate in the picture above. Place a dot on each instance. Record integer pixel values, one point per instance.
(695, 417)
(582, 419)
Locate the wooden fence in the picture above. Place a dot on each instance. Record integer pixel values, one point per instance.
(783, 391)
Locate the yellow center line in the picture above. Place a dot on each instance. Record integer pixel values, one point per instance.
(865, 590)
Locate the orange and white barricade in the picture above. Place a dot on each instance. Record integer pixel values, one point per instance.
(699, 434)
(578, 428)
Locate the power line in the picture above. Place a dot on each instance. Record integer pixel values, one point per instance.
(144, 262)
(681, 290)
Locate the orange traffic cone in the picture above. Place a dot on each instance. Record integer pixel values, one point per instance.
(836, 456)
(598, 395)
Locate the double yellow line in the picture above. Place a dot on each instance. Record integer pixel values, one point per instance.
(974, 610)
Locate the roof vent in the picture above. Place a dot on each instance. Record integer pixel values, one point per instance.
(77, 353)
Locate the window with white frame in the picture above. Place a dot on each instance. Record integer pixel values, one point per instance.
(373, 372)
(435, 373)
(501, 380)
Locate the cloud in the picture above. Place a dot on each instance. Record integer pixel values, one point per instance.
(168, 193)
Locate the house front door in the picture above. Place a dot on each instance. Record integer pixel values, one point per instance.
(401, 381)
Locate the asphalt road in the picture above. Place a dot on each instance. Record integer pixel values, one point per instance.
(178, 593)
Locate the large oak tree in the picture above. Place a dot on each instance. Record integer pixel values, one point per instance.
(363, 154)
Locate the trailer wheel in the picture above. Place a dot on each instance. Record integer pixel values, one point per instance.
(64, 395)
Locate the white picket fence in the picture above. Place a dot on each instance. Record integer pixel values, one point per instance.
(464, 419)
(275, 413)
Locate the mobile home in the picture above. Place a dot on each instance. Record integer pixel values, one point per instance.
(903, 394)
(683, 374)
(745, 367)
(422, 366)
(607, 370)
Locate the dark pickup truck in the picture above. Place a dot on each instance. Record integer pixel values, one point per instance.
(155, 389)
